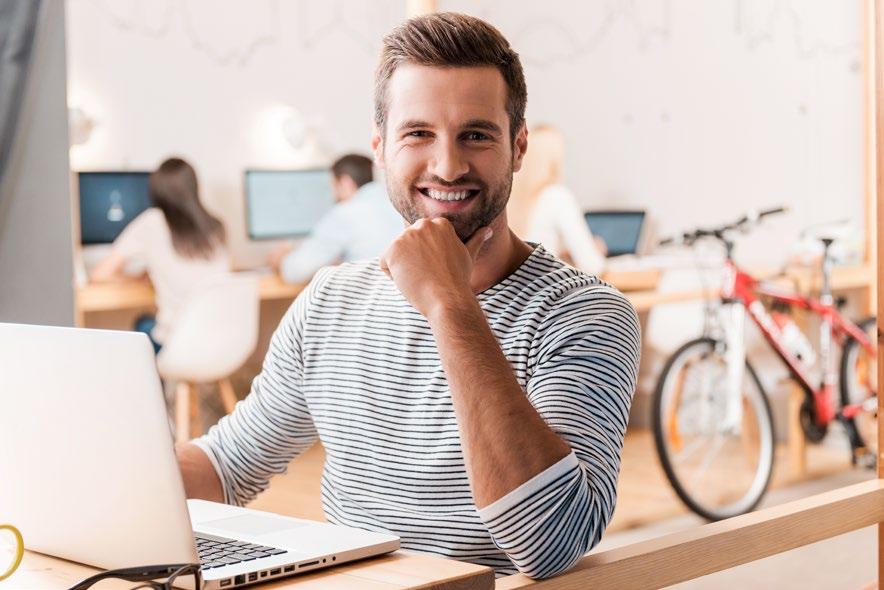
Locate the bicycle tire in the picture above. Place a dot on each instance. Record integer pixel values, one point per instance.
(760, 403)
(855, 431)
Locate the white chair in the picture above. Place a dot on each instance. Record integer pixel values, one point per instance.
(215, 334)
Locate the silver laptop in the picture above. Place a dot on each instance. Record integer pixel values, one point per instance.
(89, 472)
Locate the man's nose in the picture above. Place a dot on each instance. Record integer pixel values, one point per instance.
(448, 163)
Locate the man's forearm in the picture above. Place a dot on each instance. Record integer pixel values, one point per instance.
(505, 441)
(200, 479)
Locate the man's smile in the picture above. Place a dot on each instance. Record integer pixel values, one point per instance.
(448, 199)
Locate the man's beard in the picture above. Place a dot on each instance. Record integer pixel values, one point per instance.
(493, 200)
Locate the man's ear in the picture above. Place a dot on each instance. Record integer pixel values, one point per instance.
(377, 145)
(520, 146)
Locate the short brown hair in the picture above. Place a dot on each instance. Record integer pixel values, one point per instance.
(356, 166)
(450, 39)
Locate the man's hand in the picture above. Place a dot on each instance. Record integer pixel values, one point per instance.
(431, 266)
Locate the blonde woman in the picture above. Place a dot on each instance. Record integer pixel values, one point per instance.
(541, 209)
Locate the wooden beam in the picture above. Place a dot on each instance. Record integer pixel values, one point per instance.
(869, 152)
(721, 545)
(878, 59)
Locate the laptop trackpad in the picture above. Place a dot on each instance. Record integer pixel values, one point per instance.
(252, 524)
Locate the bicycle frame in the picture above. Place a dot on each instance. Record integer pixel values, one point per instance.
(740, 288)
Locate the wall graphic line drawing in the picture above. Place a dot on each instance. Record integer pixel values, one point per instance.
(180, 11)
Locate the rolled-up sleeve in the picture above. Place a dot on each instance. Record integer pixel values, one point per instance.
(582, 384)
(272, 425)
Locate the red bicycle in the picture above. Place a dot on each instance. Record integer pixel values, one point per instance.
(712, 421)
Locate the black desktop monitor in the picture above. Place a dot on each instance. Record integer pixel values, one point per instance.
(621, 230)
(286, 203)
(108, 202)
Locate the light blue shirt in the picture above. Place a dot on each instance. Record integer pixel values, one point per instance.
(357, 229)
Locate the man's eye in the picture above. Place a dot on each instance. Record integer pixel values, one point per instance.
(475, 136)
(417, 134)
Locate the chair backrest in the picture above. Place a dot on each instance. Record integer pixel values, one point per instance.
(215, 332)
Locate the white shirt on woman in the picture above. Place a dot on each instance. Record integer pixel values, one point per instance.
(557, 222)
(175, 278)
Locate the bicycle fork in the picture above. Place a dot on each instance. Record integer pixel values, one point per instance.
(734, 321)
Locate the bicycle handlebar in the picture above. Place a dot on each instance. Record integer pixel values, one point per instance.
(752, 217)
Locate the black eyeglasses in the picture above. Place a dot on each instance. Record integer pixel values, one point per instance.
(151, 575)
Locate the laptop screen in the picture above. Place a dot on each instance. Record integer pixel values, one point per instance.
(620, 230)
(286, 203)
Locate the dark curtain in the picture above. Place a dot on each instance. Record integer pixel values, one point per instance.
(18, 24)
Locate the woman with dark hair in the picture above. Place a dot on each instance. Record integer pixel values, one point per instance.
(177, 242)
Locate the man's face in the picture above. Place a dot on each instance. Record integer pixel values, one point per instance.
(446, 149)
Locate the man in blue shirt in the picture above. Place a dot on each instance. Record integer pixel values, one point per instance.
(360, 226)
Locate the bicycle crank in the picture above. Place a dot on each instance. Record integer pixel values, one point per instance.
(813, 432)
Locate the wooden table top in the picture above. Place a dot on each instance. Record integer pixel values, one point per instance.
(395, 571)
(638, 286)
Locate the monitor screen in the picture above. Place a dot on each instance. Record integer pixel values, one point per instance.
(286, 203)
(108, 202)
(620, 230)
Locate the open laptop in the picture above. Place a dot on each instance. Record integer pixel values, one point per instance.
(89, 472)
(623, 231)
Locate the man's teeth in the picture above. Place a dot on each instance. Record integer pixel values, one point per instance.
(447, 195)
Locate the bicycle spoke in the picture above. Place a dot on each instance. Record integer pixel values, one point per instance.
(708, 457)
(689, 450)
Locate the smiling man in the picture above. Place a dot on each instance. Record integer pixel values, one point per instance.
(471, 390)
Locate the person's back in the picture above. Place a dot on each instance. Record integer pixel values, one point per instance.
(369, 222)
(175, 277)
(178, 243)
(359, 227)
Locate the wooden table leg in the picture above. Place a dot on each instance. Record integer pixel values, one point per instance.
(196, 425)
(228, 395)
(797, 444)
(182, 412)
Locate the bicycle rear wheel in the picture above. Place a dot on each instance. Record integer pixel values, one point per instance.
(717, 470)
(859, 385)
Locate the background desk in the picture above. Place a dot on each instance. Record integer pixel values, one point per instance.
(105, 297)
(639, 287)
(396, 571)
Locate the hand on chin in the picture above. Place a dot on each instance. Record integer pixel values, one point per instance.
(430, 265)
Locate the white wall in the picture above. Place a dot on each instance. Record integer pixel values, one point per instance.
(696, 110)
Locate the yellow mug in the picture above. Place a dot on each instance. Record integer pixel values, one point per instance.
(19, 550)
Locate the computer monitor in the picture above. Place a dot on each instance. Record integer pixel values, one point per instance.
(286, 203)
(108, 202)
(621, 230)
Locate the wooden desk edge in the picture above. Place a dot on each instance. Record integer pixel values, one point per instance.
(385, 572)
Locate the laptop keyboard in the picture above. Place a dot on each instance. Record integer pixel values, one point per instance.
(218, 551)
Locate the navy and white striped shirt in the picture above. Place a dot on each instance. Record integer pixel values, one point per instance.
(354, 364)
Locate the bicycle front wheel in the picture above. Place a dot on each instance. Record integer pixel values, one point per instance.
(718, 458)
(859, 386)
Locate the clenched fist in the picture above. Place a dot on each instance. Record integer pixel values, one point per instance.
(431, 266)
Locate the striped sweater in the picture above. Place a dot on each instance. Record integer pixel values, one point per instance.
(354, 364)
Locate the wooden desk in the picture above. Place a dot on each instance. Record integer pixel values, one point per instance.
(96, 298)
(395, 571)
(105, 297)
(638, 286)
